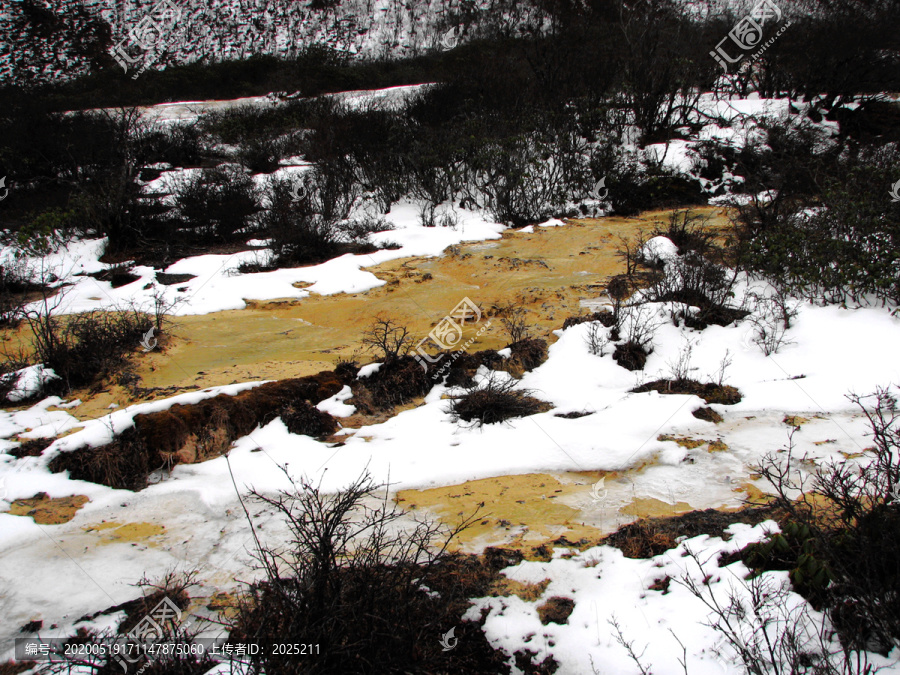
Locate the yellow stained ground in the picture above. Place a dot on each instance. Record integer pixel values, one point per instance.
(516, 510)
(111, 532)
(290, 337)
(48, 510)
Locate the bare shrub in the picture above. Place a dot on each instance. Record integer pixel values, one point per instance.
(217, 203)
(83, 348)
(162, 307)
(680, 366)
(106, 653)
(771, 318)
(767, 631)
(639, 323)
(724, 365)
(358, 580)
(694, 281)
(840, 514)
(514, 322)
(619, 289)
(496, 399)
(630, 252)
(689, 231)
(597, 338)
(388, 339)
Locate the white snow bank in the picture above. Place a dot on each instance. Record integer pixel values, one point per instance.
(217, 285)
(29, 382)
(607, 587)
(659, 249)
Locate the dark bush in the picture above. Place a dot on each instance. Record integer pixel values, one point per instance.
(707, 415)
(710, 392)
(495, 400)
(846, 249)
(304, 419)
(30, 448)
(605, 317)
(86, 348)
(373, 596)
(695, 281)
(631, 355)
(396, 382)
(838, 543)
(217, 203)
(528, 354)
(299, 235)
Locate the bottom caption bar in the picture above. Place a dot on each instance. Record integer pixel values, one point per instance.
(130, 650)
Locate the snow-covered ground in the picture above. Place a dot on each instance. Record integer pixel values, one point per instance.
(831, 355)
(190, 111)
(217, 285)
(73, 569)
(668, 628)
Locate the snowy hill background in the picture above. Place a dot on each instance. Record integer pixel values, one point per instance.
(52, 40)
(66, 38)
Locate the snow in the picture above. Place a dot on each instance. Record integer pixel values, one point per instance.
(659, 249)
(218, 286)
(190, 111)
(607, 587)
(553, 222)
(336, 405)
(28, 382)
(368, 370)
(830, 355)
(831, 351)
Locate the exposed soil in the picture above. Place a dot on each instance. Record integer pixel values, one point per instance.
(652, 536)
(709, 392)
(555, 610)
(708, 415)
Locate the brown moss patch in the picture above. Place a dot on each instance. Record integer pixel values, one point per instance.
(504, 587)
(718, 445)
(197, 432)
(556, 610)
(707, 415)
(16, 667)
(48, 510)
(221, 601)
(683, 441)
(661, 584)
(30, 448)
(709, 392)
(631, 355)
(652, 536)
